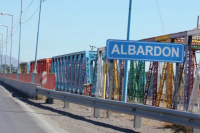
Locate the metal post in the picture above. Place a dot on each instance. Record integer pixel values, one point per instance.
(197, 22)
(66, 104)
(137, 120)
(20, 24)
(195, 130)
(96, 112)
(110, 77)
(11, 48)
(35, 69)
(6, 50)
(11, 41)
(124, 94)
(1, 56)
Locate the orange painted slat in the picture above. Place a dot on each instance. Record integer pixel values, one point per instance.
(25, 77)
(14, 76)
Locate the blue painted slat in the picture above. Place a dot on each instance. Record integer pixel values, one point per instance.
(73, 70)
(77, 74)
(80, 74)
(61, 74)
(68, 72)
(72, 74)
(28, 67)
(83, 73)
(64, 73)
(58, 73)
(94, 81)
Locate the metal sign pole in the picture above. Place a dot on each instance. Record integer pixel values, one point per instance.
(124, 94)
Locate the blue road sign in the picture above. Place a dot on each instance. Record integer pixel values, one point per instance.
(145, 51)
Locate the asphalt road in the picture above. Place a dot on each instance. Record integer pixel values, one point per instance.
(16, 117)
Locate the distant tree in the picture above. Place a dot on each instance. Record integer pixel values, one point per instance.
(7, 68)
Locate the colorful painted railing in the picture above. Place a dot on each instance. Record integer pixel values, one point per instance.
(74, 70)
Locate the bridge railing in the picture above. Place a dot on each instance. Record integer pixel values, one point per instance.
(50, 84)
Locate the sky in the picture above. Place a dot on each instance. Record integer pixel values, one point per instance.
(69, 26)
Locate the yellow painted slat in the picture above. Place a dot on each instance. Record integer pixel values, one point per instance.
(162, 38)
(116, 77)
(104, 79)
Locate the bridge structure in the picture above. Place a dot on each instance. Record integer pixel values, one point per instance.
(165, 84)
(90, 73)
(167, 92)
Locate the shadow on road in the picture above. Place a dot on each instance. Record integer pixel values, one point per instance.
(25, 99)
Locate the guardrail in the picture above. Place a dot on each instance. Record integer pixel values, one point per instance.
(161, 114)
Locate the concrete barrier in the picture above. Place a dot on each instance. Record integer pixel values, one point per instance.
(27, 88)
(51, 79)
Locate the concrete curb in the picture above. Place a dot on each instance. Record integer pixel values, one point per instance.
(27, 88)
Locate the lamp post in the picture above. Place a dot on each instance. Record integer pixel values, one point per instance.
(1, 54)
(6, 46)
(11, 39)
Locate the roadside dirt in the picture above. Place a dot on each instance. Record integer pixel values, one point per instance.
(79, 119)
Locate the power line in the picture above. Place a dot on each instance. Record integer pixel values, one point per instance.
(25, 13)
(27, 8)
(160, 16)
(16, 30)
(31, 16)
(33, 13)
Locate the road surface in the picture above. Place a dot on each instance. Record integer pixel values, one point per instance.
(16, 117)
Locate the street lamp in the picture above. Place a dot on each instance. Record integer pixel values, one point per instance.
(1, 54)
(6, 44)
(11, 38)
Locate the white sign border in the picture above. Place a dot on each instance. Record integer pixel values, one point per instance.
(118, 58)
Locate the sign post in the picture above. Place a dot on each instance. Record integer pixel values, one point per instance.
(125, 88)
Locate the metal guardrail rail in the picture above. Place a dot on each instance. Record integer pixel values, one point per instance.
(161, 114)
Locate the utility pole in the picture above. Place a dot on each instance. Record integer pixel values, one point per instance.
(35, 69)
(6, 50)
(20, 24)
(11, 47)
(1, 54)
(197, 22)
